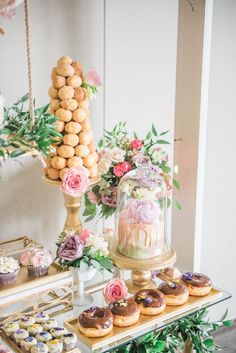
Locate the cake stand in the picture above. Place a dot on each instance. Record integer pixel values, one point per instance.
(72, 204)
(141, 269)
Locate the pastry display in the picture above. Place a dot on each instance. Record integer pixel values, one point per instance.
(43, 336)
(57, 332)
(175, 293)
(10, 328)
(55, 346)
(41, 317)
(151, 301)
(126, 312)
(69, 102)
(26, 321)
(69, 341)
(20, 335)
(9, 268)
(50, 323)
(198, 284)
(27, 343)
(37, 261)
(95, 322)
(40, 347)
(34, 329)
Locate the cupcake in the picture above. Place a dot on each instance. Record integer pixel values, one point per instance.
(20, 335)
(28, 343)
(50, 323)
(55, 346)
(57, 332)
(10, 328)
(41, 317)
(26, 321)
(43, 336)
(40, 347)
(9, 268)
(69, 341)
(37, 261)
(34, 329)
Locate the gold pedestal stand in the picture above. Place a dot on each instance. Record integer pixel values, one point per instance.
(72, 205)
(141, 269)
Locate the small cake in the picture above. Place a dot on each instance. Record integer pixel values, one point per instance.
(57, 332)
(55, 346)
(9, 267)
(69, 341)
(175, 293)
(96, 322)
(26, 321)
(40, 347)
(140, 230)
(151, 301)
(28, 343)
(41, 317)
(50, 323)
(43, 336)
(34, 329)
(37, 261)
(126, 312)
(10, 328)
(198, 284)
(20, 335)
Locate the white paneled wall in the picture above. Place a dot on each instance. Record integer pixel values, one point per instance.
(131, 43)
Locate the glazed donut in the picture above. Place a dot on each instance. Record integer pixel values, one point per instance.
(151, 301)
(197, 283)
(126, 312)
(95, 322)
(175, 293)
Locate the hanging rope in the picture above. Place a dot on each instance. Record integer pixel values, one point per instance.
(31, 102)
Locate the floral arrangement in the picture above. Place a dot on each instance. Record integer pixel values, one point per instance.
(75, 181)
(36, 257)
(115, 290)
(117, 155)
(83, 250)
(91, 82)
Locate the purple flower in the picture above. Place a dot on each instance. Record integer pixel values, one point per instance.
(110, 200)
(188, 276)
(71, 248)
(148, 300)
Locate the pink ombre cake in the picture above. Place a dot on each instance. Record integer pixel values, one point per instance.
(141, 230)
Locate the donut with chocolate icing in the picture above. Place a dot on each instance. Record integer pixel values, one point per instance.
(198, 284)
(175, 293)
(126, 312)
(96, 322)
(151, 301)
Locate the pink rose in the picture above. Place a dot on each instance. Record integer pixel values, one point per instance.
(93, 78)
(84, 235)
(142, 211)
(92, 197)
(75, 182)
(24, 259)
(136, 144)
(71, 248)
(115, 290)
(126, 166)
(37, 260)
(118, 170)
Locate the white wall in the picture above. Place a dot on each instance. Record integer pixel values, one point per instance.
(137, 63)
(219, 222)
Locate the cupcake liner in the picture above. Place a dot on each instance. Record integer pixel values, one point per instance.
(8, 278)
(37, 271)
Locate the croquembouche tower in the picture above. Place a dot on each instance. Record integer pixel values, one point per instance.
(70, 93)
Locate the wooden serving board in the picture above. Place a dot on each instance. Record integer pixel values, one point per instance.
(17, 349)
(145, 322)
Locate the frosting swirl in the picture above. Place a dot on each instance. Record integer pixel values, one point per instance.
(8, 264)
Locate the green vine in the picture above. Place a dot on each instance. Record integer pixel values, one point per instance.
(195, 329)
(16, 136)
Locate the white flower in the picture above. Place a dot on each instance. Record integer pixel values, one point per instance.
(141, 193)
(158, 155)
(128, 186)
(117, 155)
(97, 244)
(104, 184)
(104, 166)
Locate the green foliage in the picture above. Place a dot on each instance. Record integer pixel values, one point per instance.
(194, 328)
(16, 135)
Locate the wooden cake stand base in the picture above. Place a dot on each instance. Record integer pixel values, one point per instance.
(141, 269)
(72, 205)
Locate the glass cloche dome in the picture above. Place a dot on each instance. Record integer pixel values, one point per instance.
(142, 212)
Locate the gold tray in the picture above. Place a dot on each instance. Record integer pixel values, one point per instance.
(145, 322)
(24, 282)
(17, 349)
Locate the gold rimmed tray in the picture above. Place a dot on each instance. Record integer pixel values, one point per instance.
(145, 322)
(24, 282)
(17, 349)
